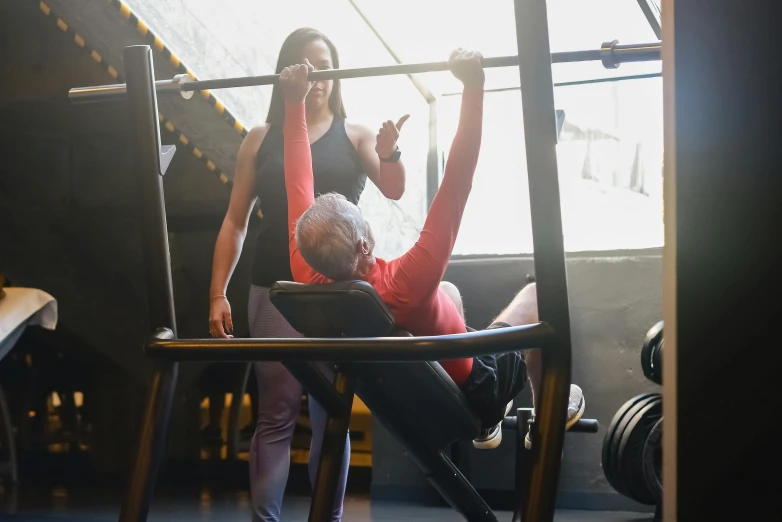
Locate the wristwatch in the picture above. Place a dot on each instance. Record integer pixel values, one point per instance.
(394, 157)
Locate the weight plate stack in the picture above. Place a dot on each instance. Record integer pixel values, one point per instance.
(653, 462)
(651, 354)
(619, 417)
(631, 452)
(624, 444)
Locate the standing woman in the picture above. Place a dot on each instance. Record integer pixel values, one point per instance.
(344, 154)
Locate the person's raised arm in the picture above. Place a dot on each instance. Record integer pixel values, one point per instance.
(299, 183)
(419, 272)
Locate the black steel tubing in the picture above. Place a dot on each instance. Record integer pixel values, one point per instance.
(540, 134)
(590, 81)
(319, 386)
(652, 13)
(332, 451)
(432, 156)
(522, 464)
(150, 446)
(373, 349)
(145, 136)
(9, 468)
(145, 147)
(582, 426)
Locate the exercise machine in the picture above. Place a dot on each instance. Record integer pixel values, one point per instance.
(359, 341)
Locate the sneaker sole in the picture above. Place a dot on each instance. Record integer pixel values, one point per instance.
(489, 444)
(495, 441)
(572, 422)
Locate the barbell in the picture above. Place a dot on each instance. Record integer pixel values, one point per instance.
(611, 54)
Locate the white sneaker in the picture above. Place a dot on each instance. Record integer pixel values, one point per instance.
(575, 406)
(575, 410)
(492, 437)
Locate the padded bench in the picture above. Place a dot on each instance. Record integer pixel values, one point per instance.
(417, 402)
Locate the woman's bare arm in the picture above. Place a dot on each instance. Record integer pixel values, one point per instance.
(229, 243)
(389, 177)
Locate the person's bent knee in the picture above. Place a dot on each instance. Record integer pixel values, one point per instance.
(450, 289)
(523, 309)
(453, 293)
(530, 292)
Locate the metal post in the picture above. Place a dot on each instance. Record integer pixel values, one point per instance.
(9, 467)
(145, 143)
(523, 416)
(537, 94)
(651, 11)
(332, 452)
(433, 156)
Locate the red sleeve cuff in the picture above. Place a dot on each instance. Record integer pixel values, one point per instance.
(294, 108)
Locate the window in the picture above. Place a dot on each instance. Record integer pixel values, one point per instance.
(371, 101)
(610, 170)
(610, 152)
(243, 37)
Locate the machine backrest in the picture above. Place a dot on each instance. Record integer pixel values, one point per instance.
(344, 309)
(417, 401)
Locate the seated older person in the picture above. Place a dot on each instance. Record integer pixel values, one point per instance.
(330, 240)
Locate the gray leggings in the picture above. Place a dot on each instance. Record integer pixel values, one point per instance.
(279, 400)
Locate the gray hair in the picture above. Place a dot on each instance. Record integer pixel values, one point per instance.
(328, 235)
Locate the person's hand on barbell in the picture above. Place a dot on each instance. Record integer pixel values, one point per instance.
(294, 83)
(387, 136)
(467, 66)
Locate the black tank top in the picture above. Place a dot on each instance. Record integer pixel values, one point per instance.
(336, 168)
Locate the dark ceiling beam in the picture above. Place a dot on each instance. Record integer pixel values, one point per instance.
(651, 10)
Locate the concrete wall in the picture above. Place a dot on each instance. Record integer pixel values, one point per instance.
(614, 299)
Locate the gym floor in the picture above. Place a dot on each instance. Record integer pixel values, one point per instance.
(62, 505)
(64, 490)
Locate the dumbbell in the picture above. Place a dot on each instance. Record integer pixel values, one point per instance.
(652, 354)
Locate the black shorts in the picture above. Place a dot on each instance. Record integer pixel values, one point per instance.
(494, 381)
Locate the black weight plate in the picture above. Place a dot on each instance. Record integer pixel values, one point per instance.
(613, 445)
(611, 433)
(652, 340)
(657, 362)
(652, 462)
(646, 360)
(631, 450)
(618, 417)
(613, 451)
(630, 456)
(621, 412)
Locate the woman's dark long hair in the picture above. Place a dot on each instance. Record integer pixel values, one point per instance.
(291, 53)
